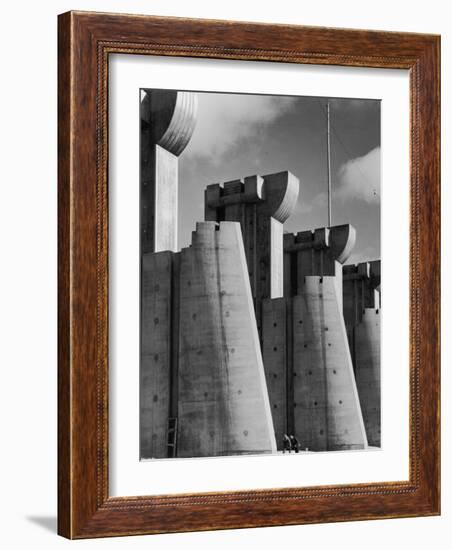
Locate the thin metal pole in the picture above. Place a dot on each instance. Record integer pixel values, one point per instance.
(328, 149)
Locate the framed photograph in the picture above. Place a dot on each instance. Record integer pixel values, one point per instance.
(248, 275)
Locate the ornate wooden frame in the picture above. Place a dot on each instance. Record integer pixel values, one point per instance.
(85, 42)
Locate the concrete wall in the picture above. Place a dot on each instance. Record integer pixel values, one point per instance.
(167, 123)
(201, 361)
(261, 205)
(275, 356)
(319, 252)
(323, 409)
(361, 290)
(223, 405)
(213, 344)
(367, 357)
(326, 407)
(156, 342)
(311, 384)
(362, 312)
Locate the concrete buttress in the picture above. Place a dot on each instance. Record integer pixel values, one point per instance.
(362, 313)
(326, 409)
(223, 405)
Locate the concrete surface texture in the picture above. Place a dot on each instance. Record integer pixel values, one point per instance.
(223, 405)
(319, 252)
(275, 350)
(249, 335)
(168, 119)
(327, 413)
(202, 377)
(261, 205)
(156, 342)
(310, 377)
(367, 373)
(362, 314)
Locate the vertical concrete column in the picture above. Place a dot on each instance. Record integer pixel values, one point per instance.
(222, 396)
(361, 291)
(261, 205)
(167, 122)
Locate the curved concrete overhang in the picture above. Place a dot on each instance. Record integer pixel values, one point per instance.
(280, 191)
(342, 239)
(171, 116)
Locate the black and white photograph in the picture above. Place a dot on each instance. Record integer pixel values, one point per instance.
(260, 270)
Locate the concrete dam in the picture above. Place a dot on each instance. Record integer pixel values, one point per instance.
(253, 340)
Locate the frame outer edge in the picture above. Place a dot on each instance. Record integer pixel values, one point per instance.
(425, 274)
(432, 266)
(64, 277)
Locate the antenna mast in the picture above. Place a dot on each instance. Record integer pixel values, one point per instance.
(328, 149)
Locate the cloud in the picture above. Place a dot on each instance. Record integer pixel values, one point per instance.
(224, 120)
(359, 178)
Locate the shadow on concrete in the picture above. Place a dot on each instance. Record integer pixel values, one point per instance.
(49, 523)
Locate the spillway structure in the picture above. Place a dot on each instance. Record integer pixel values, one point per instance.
(250, 336)
(322, 400)
(296, 282)
(202, 382)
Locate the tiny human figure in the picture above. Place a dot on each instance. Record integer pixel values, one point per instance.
(294, 443)
(287, 444)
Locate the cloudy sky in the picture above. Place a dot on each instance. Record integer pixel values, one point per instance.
(240, 135)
